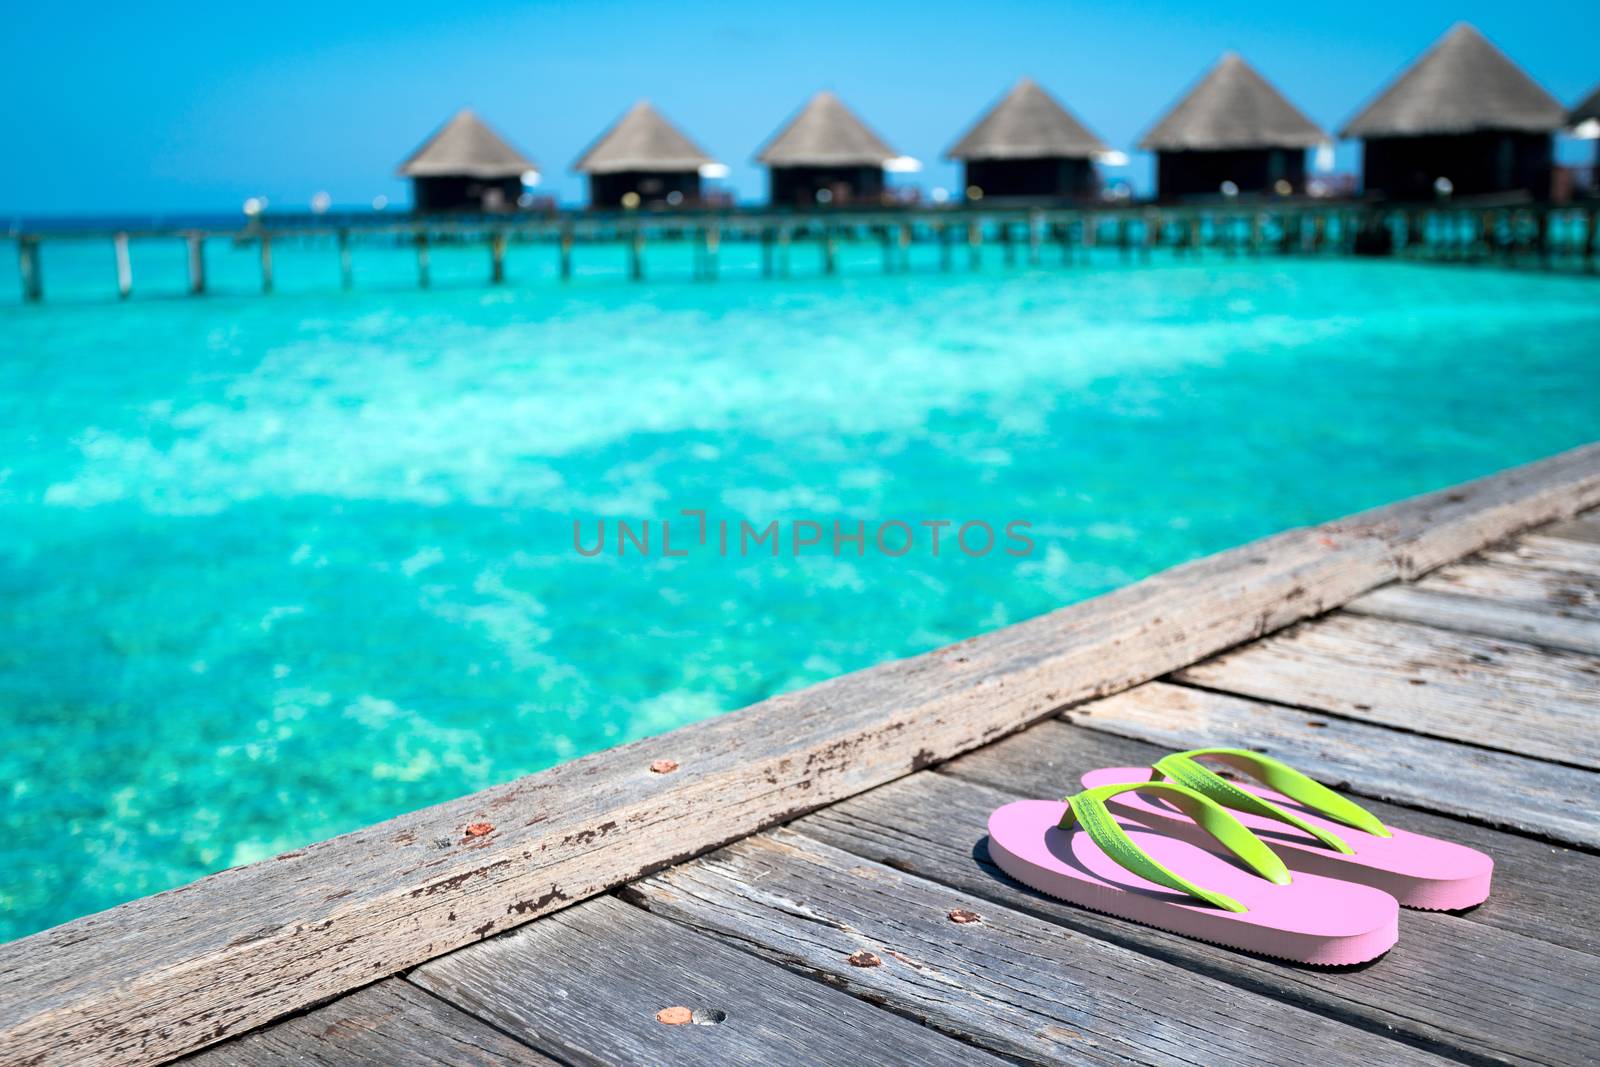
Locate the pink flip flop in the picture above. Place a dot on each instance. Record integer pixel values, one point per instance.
(1234, 891)
(1314, 829)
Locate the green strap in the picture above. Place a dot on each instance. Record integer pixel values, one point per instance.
(1088, 809)
(1184, 768)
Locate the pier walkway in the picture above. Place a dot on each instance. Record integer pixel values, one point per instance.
(806, 881)
(812, 242)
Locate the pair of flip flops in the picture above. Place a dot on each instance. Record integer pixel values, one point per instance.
(1283, 866)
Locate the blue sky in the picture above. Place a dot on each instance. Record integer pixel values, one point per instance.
(195, 106)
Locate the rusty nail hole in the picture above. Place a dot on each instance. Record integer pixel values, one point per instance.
(1417, 681)
(664, 766)
(479, 829)
(865, 959)
(674, 1016)
(963, 916)
(1363, 707)
(709, 1017)
(1317, 724)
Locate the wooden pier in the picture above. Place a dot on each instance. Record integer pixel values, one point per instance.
(806, 882)
(1538, 235)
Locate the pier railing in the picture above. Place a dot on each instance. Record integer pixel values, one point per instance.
(1529, 234)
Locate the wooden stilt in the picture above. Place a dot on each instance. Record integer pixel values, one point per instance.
(636, 254)
(1152, 234)
(830, 253)
(1195, 236)
(886, 247)
(1257, 232)
(713, 241)
(767, 241)
(975, 245)
(347, 274)
(124, 266)
(946, 251)
(32, 269)
(1090, 234)
(423, 277)
(1008, 245)
(1124, 239)
(197, 264)
(497, 257)
(785, 240)
(905, 247)
(566, 254)
(1035, 236)
(266, 263)
(1064, 237)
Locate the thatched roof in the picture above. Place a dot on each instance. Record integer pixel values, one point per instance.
(642, 140)
(1461, 84)
(1587, 108)
(465, 146)
(1232, 107)
(1028, 123)
(825, 133)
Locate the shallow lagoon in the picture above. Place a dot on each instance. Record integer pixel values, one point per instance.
(274, 568)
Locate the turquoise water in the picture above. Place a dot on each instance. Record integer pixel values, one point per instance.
(274, 568)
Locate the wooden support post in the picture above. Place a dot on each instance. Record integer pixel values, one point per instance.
(785, 239)
(767, 241)
(1541, 222)
(266, 263)
(1319, 232)
(1195, 235)
(712, 234)
(975, 244)
(905, 247)
(1064, 236)
(497, 257)
(830, 253)
(1007, 244)
(1035, 236)
(119, 245)
(1152, 234)
(197, 264)
(566, 253)
(32, 269)
(886, 247)
(347, 274)
(423, 278)
(1091, 226)
(636, 254)
(1124, 238)
(1258, 230)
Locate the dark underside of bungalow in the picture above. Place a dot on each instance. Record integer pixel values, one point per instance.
(1488, 161)
(458, 192)
(1252, 170)
(799, 186)
(1055, 177)
(652, 186)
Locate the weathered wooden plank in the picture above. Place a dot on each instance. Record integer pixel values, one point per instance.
(1555, 553)
(1479, 615)
(1585, 528)
(1483, 690)
(586, 985)
(385, 1025)
(158, 977)
(1529, 795)
(1009, 982)
(1559, 593)
(1506, 997)
(1427, 532)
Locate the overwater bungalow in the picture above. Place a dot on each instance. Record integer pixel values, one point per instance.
(643, 160)
(1234, 133)
(465, 166)
(1584, 120)
(1028, 145)
(1462, 120)
(825, 154)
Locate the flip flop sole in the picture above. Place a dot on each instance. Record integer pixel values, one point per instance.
(1312, 920)
(1417, 870)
